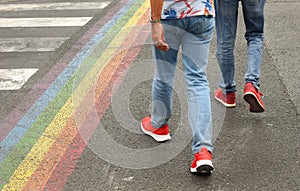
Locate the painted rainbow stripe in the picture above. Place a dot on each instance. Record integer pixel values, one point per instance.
(40, 150)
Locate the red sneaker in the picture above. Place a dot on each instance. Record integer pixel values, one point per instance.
(159, 134)
(203, 162)
(228, 100)
(253, 97)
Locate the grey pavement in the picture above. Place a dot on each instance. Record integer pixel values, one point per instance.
(283, 44)
(252, 151)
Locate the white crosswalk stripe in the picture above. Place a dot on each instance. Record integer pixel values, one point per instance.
(14, 79)
(20, 21)
(53, 6)
(44, 22)
(30, 44)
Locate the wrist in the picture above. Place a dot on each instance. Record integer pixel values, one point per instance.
(152, 21)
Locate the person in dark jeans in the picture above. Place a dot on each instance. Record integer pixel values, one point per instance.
(226, 27)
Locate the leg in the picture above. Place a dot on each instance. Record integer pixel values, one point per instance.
(197, 37)
(226, 24)
(162, 85)
(254, 20)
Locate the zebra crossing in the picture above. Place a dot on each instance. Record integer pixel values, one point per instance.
(31, 31)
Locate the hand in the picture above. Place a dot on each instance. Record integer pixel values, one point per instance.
(158, 37)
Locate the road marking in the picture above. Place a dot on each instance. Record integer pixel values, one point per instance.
(44, 22)
(14, 79)
(53, 6)
(34, 44)
(31, 161)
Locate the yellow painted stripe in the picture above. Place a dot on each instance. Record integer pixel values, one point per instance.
(23, 173)
(28, 165)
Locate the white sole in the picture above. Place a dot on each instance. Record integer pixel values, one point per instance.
(225, 104)
(205, 164)
(158, 138)
(252, 100)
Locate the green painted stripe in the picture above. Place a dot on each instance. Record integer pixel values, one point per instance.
(16, 156)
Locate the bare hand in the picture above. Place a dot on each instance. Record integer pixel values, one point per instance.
(158, 36)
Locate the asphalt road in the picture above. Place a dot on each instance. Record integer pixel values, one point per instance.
(252, 151)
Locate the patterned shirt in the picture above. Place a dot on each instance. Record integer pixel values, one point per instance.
(175, 9)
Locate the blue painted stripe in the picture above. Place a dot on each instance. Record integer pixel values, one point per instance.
(15, 135)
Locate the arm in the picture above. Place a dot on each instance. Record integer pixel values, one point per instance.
(158, 37)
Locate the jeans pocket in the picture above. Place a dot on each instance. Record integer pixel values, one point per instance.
(202, 27)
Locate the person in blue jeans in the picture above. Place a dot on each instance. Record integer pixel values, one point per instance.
(226, 27)
(189, 25)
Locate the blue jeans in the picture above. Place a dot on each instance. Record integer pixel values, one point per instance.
(226, 25)
(194, 35)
